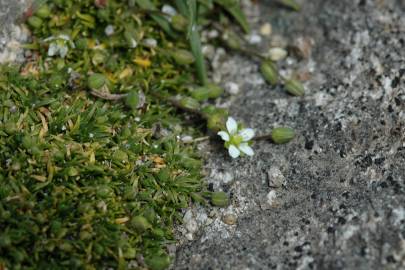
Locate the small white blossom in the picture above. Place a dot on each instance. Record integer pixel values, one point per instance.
(169, 10)
(150, 42)
(109, 30)
(237, 140)
(59, 45)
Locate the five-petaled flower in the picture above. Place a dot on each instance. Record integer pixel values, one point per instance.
(236, 139)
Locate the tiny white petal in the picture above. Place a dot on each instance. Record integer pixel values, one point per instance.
(150, 42)
(247, 134)
(63, 50)
(224, 135)
(109, 30)
(231, 125)
(233, 151)
(52, 49)
(168, 9)
(245, 148)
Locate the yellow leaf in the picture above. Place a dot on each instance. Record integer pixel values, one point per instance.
(39, 178)
(143, 62)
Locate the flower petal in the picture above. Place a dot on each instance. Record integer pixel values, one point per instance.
(233, 151)
(245, 148)
(224, 135)
(231, 125)
(247, 134)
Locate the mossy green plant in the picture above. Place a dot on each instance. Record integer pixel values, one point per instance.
(87, 179)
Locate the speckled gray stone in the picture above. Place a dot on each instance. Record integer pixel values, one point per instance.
(12, 32)
(342, 205)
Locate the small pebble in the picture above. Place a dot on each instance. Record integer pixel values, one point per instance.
(229, 219)
(276, 178)
(254, 39)
(232, 88)
(187, 139)
(277, 54)
(266, 29)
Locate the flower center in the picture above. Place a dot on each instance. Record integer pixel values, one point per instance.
(236, 140)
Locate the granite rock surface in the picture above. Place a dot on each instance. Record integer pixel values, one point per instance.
(340, 198)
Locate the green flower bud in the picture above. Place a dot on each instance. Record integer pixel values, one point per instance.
(104, 192)
(130, 253)
(158, 262)
(282, 135)
(209, 109)
(294, 87)
(215, 90)
(132, 100)
(232, 40)
(43, 12)
(216, 122)
(269, 72)
(96, 81)
(179, 22)
(189, 103)
(120, 156)
(201, 93)
(140, 223)
(72, 171)
(35, 22)
(219, 199)
(183, 57)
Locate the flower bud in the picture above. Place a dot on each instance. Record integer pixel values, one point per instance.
(215, 90)
(140, 223)
(216, 122)
(96, 81)
(201, 93)
(179, 23)
(72, 171)
(219, 199)
(183, 57)
(43, 11)
(277, 54)
(132, 100)
(35, 22)
(120, 156)
(189, 103)
(294, 87)
(282, 135)
(232, 40)
(269, 72)
(158, 262)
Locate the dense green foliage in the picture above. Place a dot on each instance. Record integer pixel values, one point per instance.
(93, 173)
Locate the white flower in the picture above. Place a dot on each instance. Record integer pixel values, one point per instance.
(109, 30)
(59, 45)
(237, 140)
